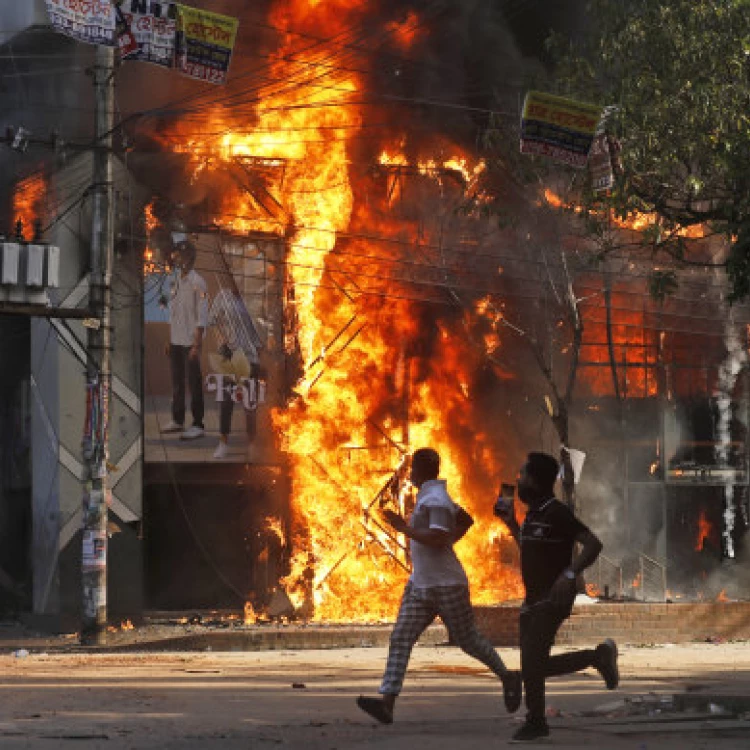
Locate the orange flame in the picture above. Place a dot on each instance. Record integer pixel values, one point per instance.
(365, 399)
(405, 32)
(249, 615)
(705, 531)
(150, 220)
(638, 221)
(722, 596)
(28, 198)
(150, 223)
(633, 349)
(275, 526)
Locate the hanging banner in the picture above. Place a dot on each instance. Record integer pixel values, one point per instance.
(604, 161)
(559, 128)
(204, 43)
(125, 38)
(90, 21)
(153, 27)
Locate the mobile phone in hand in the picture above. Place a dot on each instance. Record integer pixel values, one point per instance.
(507, 491)
(504, 503)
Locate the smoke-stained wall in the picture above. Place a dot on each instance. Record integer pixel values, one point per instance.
(58, 362)
(46, 90)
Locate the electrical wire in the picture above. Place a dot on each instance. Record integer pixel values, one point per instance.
(473, 254)
(344, 33)
(328, 70)
(338, 39)
(503, 294)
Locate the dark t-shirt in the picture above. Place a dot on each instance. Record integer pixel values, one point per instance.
(547, 537)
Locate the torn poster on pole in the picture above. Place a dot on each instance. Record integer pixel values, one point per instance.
(204, 43)
(90, 21)
(562, 129)
(153, 25)
(600, 164)
(603, 158)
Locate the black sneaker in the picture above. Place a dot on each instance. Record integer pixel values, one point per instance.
(606, 663)
(530, 731)
(376, 708)
(512, 689)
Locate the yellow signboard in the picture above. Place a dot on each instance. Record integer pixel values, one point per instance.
(560, 128)
(205, 42)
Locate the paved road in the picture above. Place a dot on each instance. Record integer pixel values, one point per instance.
(305, 699)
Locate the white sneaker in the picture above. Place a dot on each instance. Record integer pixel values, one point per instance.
(172, 426)
(192, 433)
(222, 450)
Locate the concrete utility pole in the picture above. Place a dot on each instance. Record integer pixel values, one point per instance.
(98, 373)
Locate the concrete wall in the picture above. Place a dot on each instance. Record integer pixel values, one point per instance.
(58, 385)
(44, 98)
(16, 15)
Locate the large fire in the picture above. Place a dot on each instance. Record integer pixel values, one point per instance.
(629, 347)
(633, 348)
(382, 374)
(28, 199)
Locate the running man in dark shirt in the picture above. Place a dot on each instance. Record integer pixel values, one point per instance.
(546, 538)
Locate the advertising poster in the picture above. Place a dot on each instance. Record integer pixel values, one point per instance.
(90, 21)
(94, 550)
(212, 402)
(561, 129)
(153, 27)
(204, 43)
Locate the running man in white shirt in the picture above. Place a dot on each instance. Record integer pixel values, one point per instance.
(188, 318)
(437, 586)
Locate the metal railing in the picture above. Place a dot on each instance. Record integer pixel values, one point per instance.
(653, 579)
(607, 578)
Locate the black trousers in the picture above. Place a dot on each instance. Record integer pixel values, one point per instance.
(225, 413)
(183, 366)
(539, 625)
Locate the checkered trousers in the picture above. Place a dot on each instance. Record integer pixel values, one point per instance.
(419, 607)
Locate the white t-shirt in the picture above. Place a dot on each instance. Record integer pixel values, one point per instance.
(435, 566)
(188, 308)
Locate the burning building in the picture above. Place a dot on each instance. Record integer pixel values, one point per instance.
(360, 304)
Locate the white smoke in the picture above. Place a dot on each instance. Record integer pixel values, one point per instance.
(731, 367)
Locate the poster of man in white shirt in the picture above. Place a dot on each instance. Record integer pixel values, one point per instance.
(188, 319)
(213, 305)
